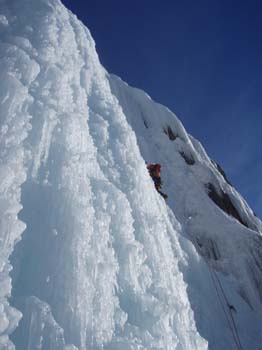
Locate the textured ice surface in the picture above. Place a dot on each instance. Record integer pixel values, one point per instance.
(95, 267)
(99, 260)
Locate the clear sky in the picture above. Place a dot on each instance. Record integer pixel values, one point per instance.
(202, 59)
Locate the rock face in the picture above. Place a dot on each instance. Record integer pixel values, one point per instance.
(99, 260)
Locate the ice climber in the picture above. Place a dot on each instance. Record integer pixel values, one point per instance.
(155, 171)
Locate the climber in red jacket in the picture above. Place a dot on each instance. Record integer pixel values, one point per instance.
(155, 173)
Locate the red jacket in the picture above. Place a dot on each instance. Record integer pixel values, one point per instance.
(154, 170)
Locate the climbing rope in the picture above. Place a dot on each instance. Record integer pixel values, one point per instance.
(230, 310)
(230, 319)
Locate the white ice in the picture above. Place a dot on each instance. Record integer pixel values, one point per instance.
(99, 259)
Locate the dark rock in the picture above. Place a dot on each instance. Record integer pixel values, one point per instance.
(170, 133)
(189, 159)
(208, 248)
(223, 201)
(219, 168)
(145, 123)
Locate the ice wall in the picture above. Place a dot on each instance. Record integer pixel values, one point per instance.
(98, 263)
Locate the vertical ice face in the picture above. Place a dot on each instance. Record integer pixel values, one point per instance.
(97, 265)
(99, 260)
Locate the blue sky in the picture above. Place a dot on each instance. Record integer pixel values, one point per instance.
(202, 59)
